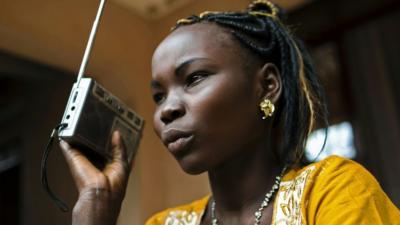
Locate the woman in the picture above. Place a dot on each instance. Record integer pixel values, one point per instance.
(237, 97)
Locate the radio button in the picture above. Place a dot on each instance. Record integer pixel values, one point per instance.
(130, 115)
(100, 91)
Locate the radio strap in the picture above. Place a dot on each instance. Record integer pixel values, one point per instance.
(60, 203)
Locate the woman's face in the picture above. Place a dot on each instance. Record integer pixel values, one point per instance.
(207, 97)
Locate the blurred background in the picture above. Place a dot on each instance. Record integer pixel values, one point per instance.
(355, 45)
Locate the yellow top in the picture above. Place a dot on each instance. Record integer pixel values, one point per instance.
(335, 191)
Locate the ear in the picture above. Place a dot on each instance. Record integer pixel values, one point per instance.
(269, 82)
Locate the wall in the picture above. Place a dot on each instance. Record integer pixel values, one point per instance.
(55, 33)
(374, 81)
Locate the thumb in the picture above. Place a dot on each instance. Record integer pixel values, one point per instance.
(117, 170)
(118, 149)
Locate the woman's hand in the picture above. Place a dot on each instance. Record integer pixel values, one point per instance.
(101, 192)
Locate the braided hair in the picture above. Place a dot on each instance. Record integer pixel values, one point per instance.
(260, 29)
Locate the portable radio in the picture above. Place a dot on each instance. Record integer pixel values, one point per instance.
(91, 116)
(93, 113)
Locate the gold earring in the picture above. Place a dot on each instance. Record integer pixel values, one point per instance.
(267, 107)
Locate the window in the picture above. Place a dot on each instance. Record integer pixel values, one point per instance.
(340, 141)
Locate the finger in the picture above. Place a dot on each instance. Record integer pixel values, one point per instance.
(81, 168)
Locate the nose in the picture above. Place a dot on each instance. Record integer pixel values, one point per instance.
(172, 109)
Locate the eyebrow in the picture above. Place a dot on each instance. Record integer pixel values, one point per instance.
(179, 70)
(154, 84)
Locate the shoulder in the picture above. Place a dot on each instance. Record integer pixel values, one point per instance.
(344, 177)
(332, 166)
(339, 189)
(184, 214)
(334, 176)
(336, 170)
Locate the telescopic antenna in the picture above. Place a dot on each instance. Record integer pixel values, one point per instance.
(90, 42)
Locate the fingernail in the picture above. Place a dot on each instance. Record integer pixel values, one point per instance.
(64, 144)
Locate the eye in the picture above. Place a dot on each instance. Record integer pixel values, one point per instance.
(158, 98)
(194, 78)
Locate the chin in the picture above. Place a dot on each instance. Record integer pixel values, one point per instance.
(193, 170)
(191, 166)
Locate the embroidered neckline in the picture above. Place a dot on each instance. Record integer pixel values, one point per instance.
(287, 204)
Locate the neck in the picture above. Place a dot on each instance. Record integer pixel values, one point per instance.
(240, 185)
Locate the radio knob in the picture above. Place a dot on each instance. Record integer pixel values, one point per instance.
(120, 109)
(109, 100)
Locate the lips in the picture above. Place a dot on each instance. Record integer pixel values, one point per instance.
(176, 140)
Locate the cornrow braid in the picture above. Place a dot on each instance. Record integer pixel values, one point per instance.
(260, 29)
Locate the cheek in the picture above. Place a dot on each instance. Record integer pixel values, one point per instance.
(225, 111)
(157, 123)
